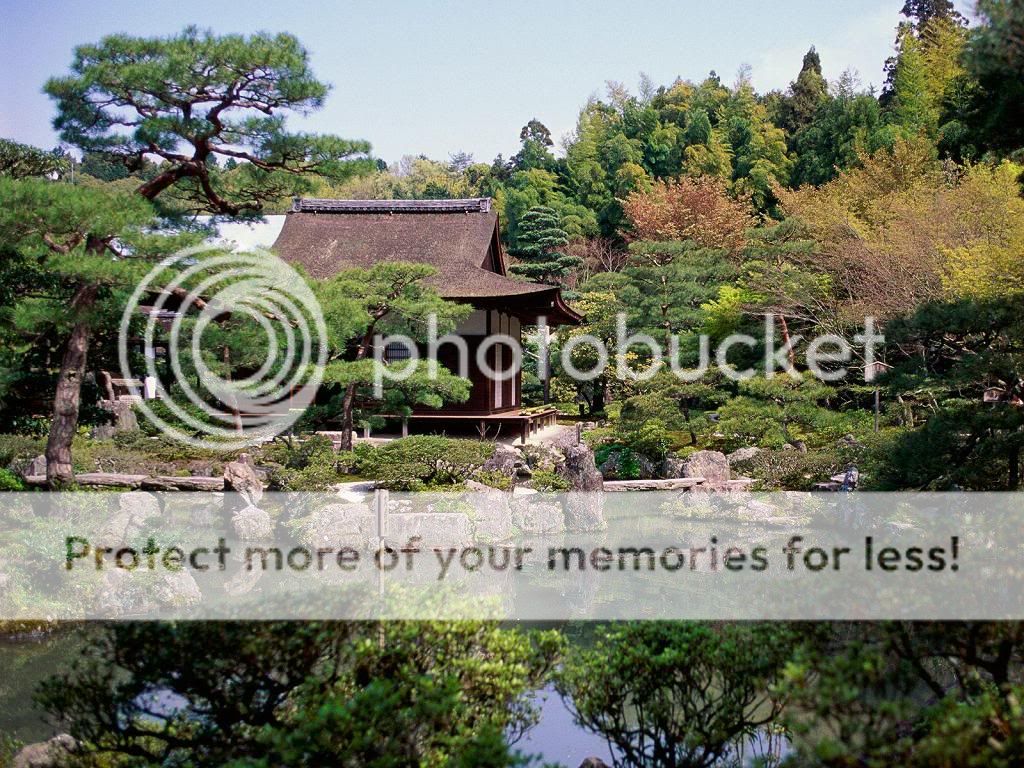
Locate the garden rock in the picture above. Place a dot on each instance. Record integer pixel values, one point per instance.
(538, 517)
(672, 467)
(711, 465)
(543, 457)
(492, 517)
(45, 754)
(252, 524)
(433, 529)
(584, 511)
(350, 525)
(508, 460)
(240, 476)
(134, 509)
(743, 454)
(36, 467)
(580, 470)
(177, 589)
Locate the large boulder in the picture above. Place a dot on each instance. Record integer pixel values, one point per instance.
(491, 517)
(543, 457)
(177, 589)
(252, 524)
(35, 467)
(580, 470)
(135, 508)
(351, 525)
(508, 460)
(711, 465)
(538, 518)
(249, 521)
(743, 454)
(672, 467)
(432, 529)
(240, 476)
(123, 593)
(45, 754)
(584, 511)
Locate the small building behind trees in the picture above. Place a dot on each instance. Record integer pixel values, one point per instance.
(460, 240)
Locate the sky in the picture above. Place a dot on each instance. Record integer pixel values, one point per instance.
(434, 78)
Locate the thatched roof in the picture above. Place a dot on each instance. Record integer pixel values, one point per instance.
(459, 238)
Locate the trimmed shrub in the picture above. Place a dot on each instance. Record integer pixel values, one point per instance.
(791, 470)
(545, 481)
(423, 461)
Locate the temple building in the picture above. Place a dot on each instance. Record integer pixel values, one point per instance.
(458, 238)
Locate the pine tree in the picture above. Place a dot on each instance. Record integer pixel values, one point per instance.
(540, 235)
(188, 99)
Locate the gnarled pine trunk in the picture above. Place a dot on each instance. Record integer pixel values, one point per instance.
(68, 395)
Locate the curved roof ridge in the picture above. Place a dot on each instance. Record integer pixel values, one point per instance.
(330, 205)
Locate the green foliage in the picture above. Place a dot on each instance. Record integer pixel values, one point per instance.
(310, 464)
(9, 747)
(17, 450)
(423, 461)
(546, 481)
(618, 462)
(304, 694)
(676, 693)
(666, 285)
(650, 439)
(19, 161)
(539, 235)
(10, 481)
(792, 470)
(194, 97)
(907, 694)
(495, 479)
(995, 113)
(360, 305)
(781, 410)
(844, 124)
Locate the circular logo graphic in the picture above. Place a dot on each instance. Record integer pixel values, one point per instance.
(206, 294)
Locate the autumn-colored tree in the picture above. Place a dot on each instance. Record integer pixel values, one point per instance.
(902, 229)
(876, 230)
(697, 209)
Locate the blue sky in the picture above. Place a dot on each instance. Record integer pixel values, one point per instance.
(439, 77)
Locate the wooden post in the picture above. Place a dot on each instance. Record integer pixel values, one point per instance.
(405, 426)
(380, 508)
(525, 431)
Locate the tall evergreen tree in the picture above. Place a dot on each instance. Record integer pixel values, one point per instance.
(920, 12)
(539, 238)
(806, 94)
(995, 58)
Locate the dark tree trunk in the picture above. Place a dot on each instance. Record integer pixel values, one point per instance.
(347, 421)
(348, 402)
(1014, 479)
(69, 393)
